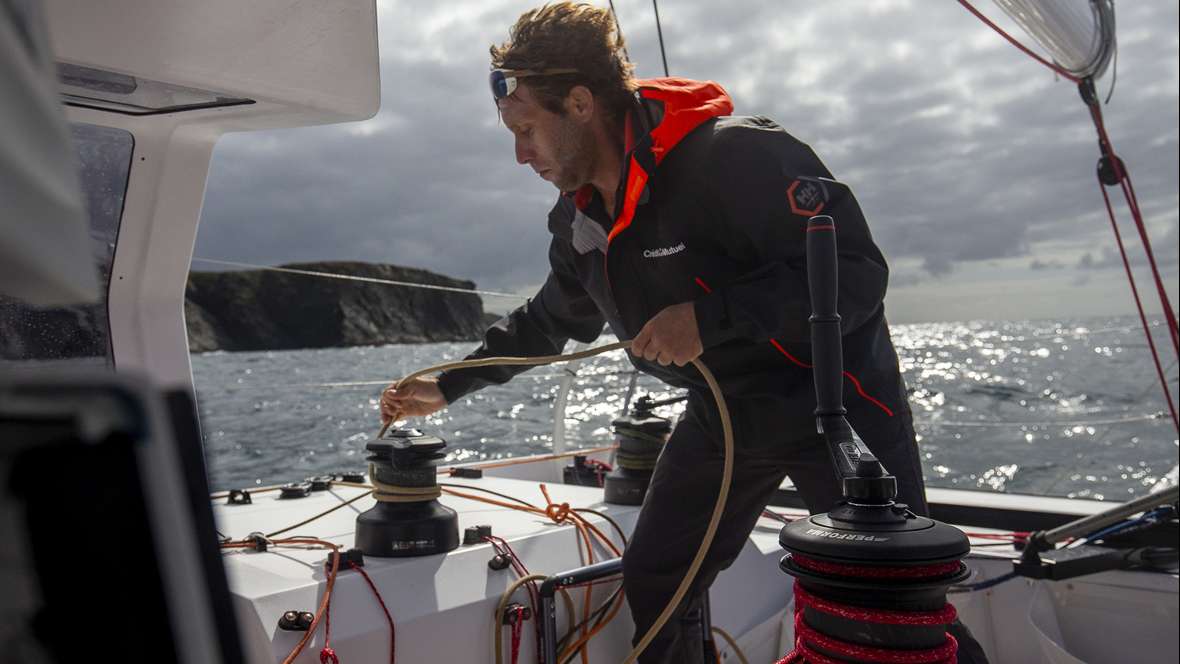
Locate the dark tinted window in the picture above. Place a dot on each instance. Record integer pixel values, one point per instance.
(78, 333)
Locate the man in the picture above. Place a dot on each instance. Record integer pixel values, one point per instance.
(683, 229)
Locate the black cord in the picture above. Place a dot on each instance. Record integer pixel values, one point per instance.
(598, 613)
(660, 32)
(983, 585)
(619, 30)
(494, 493)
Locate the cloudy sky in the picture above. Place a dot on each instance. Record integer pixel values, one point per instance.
(973, 163)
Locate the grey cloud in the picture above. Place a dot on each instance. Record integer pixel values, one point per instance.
(959, 147)
(1039, 265)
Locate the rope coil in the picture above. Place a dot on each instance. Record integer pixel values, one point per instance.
(392, 493)
(815, 647)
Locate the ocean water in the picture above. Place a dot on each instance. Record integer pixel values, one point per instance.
(1067, 407)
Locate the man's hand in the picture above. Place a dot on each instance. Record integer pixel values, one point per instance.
(417, 398)
(670, 337)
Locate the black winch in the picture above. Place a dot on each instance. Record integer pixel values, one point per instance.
(640, 436)
(407, 520)
(872, 576)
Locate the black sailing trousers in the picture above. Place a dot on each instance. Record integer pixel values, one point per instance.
(684, 490)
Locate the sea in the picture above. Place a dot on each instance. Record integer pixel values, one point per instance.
(1047, 407)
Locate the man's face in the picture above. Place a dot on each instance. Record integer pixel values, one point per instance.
(559, 148)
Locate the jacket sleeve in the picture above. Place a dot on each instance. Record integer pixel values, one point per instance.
(560, 311)
(748, 185)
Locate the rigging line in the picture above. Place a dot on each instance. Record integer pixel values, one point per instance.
(1106, 434)
(1124, 178)
(1086, 333)
(660, 32)
(1051, 423)
(1139, 305)
(352, 277)
(386, 381)
(1012, 40)
(619, 31)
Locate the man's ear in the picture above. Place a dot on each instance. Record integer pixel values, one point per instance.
(580, 103)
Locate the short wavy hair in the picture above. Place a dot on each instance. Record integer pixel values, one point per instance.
(576, 36)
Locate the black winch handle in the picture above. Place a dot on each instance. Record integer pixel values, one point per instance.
(823, 283)
(827, 355)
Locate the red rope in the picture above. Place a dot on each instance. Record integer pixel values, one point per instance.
(876, 572)
(517, 629)
(388, 617)
(1128, 188)
(1012, 40)
(601, 468)
(1159, 369)
(944, 616)
(808, 639)
(327, 655)
(505, 549)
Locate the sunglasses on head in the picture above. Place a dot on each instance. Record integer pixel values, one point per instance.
(503, 81)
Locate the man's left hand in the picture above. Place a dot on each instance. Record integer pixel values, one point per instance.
(670, 337)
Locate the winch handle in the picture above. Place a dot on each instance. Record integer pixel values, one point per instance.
(823, 284)
(827, 354)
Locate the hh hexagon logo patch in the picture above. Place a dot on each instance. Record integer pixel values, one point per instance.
(806, 197)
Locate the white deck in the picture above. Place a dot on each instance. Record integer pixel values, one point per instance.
(442, 605)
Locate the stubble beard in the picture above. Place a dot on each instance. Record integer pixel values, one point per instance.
(575, 156)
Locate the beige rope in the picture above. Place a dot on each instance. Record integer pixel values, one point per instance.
(498, 636)
(722, 494)
(392, 493)
(510, 361)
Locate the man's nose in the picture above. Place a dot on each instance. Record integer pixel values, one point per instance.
(523, 154)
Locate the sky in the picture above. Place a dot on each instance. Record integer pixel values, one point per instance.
(974, 164)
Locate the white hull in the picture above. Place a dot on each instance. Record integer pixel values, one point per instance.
(443, 605)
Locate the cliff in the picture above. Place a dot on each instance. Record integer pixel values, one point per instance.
(267, 310)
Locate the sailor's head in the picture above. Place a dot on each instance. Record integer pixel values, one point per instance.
(560, 83)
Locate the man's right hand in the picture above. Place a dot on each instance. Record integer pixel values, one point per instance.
(417, 398)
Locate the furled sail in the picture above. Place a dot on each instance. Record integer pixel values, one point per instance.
(1079, 34)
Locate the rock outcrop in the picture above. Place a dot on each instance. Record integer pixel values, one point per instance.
(269, 310)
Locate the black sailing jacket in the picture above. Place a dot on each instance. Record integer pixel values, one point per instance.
(712, 210)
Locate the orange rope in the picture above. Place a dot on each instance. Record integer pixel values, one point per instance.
(566, 514)
(319, 614)
(560, 513)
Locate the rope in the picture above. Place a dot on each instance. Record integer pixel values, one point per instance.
(660, 32)
(501, 606)
(321, 612)
(517, 629)
(619, 31)
(1012, 40)
(1050, 423)
(1124, 179)
(388, 618)
(1086, 87)
(506, 361)
(392, 493)
(353, 277)
(838, 651)
(327, 654)
(317, 516)
(726, 473)
(982, 585)
(1138, 302)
